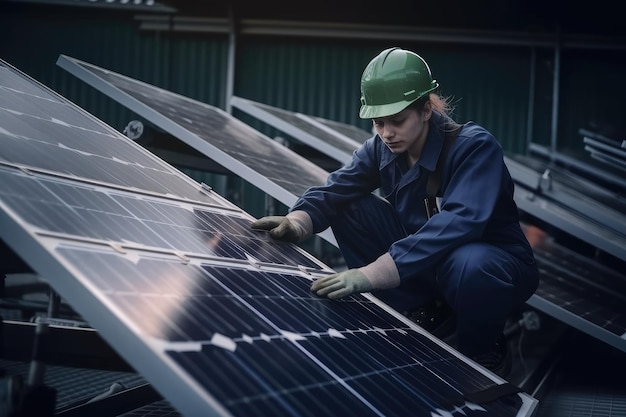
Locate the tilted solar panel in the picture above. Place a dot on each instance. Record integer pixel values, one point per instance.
(581, 292)
(217, 317)
(321, 134)
(45, 137)
(278, 171)
(355, 133)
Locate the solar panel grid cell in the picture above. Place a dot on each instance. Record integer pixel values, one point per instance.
(111, 216)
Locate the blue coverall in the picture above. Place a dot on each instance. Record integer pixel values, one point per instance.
(473, 253)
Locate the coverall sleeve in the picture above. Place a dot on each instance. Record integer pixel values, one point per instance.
(474, 170)
(357, 178)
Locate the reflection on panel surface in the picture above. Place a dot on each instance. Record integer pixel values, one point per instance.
(280, 346)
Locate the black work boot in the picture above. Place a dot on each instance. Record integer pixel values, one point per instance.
(498, 360)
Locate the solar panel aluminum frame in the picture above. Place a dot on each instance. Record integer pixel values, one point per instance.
(588, 170)
(578, 322)
(78, 69)
(551, 186)
(324, 146)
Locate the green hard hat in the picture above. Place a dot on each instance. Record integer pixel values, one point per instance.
(391, 81)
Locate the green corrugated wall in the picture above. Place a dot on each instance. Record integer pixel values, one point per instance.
(490, 85)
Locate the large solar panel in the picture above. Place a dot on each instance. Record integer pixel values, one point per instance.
(217, 317)
(45, 137)
(581, 292)
(263, 162)
(334, 139)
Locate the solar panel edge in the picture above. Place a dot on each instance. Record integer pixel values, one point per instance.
(549, 185)
(41, 258)
(305, 138)
(585, 326)
(319, 122)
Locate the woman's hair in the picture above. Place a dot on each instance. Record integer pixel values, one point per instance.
(442, 105)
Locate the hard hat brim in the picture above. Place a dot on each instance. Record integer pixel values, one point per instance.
(383, 110)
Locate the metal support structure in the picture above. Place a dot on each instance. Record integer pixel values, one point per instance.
(532, 86)
(554, 130)
(232, 61)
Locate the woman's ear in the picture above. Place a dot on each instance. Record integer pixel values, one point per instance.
(427, 110)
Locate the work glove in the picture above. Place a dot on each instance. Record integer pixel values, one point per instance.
(294, 227)
(342, 284)
(380, 274)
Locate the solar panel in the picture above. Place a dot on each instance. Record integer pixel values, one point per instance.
(217, 317)
(321, 134)
(278, 171)
(617, 151)
(51, 137)
(581, 292)
(355, 133)
(604, 155)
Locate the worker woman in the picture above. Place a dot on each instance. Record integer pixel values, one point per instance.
(443, 243)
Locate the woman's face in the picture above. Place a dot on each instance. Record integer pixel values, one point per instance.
(404, 131)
